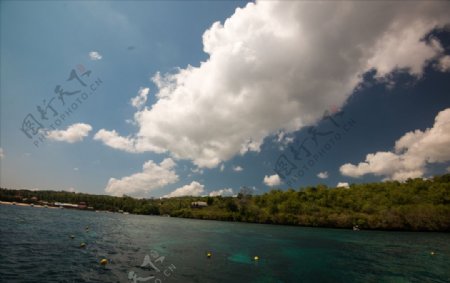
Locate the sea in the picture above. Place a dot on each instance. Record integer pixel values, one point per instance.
(63, 245)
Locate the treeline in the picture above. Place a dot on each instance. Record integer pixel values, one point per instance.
(417, 205)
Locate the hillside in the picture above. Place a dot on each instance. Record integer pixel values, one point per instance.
(415, 205)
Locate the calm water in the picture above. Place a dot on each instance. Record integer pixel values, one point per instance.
(35, 246)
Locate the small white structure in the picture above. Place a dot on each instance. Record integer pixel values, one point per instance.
(199, 204)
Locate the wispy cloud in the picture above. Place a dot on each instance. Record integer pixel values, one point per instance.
(444, 63)
(74, 133)
(112, 139)
(141, 98)
(197, 170)
(222, 192)
(283, 139)
(129, 144)
(94, 56)
(238, 168)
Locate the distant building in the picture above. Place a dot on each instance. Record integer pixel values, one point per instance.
(198, 204)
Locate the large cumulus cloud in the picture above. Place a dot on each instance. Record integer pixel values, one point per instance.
(277, 66)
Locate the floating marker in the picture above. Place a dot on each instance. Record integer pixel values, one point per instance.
(72, 236)
(432, 253)
(256, 258)
(82, 245)
(104, 261)
(208, 254)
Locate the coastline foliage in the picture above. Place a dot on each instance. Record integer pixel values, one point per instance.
(414, 205)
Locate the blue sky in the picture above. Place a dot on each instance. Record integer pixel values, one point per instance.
(237, 89)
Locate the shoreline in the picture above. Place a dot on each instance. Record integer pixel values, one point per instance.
(232, 221)
(25, 204)
(415, 205)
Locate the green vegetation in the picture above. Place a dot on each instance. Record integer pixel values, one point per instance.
(417, 204)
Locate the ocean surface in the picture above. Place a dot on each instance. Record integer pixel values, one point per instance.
(36, 246)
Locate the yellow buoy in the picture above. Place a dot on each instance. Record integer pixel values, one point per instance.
(82, 245)
(256, 257)
(208, 254)
(104, 261)
(432, 253)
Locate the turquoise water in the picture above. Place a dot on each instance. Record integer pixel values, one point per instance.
(35, 246)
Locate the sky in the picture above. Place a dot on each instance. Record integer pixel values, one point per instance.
(165, 99)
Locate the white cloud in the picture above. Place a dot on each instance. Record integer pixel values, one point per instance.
(71, 189)
(222, 192)
(153, 176)
(394, 49)
(74, 133)
(284, 139)
(323, 175)
(141, 98)
(129, 144)
(413, 151)
(238, 168)
(35, 189)
(75, 169)
(2, 154)
(94, 56)
(112, 139)
(444, 63)
(197, 170)
(273, 180)
(193, 189)
(342, 185)
(277, 65)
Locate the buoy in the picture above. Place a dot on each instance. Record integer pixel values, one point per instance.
(208, 254)
(82, 245)
(87, 228)
(432, 253)
(256, 258)
(104, 261)
(72, 236)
